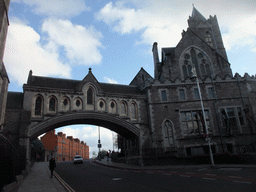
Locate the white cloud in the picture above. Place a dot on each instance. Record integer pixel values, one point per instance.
(163, 21)
(112, 81)
(24, 52)
(241, 33)
(90, 135)
(56, 7)
(81, 44)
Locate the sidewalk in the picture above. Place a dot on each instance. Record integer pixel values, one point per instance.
(39, 180)
(135, 167)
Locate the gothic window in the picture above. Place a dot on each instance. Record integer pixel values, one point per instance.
(185, 71)
(168, 135)
(52, 104)
(195, 58)
(78, 104)
(123, 108)
(133, 111)
(112, 106)
(89, 96)
(101, 105)
(38, 106)
(231, 118)
(65, 104)
(192, 122)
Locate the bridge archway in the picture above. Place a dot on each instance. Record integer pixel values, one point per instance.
(116, 124)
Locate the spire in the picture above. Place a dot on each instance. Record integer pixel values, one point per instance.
(197, 15)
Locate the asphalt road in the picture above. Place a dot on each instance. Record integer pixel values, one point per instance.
(93, 177)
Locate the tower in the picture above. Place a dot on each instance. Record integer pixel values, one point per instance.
(201, 47)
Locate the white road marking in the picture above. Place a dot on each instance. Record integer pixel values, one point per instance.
(207, 178)
(210, 174)
(185, 176)
(117, 179)
(167, 174)
(230, 169)
(235, 177)
(190, 173)
(243, 182)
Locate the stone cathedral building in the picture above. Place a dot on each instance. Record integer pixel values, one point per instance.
(161, 113)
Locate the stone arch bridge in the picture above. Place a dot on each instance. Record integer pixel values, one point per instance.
(49, 103)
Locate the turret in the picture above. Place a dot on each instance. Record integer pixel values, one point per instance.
(156, 60)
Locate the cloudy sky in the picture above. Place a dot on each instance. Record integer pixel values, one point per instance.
(63, 38)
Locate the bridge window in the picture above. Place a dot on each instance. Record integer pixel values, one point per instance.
(38, 106)
(168, 135)
(123, 108)
(101, 105)
(78, 104)
(65, 104)
(133, 111)
(112, 107)
(52, 104)
(89, 96)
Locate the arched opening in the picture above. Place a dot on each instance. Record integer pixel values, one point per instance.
(128, 132)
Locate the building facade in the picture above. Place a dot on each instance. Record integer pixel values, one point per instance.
(174, 106)
(4, 80)
(161, 113)
(63, 148)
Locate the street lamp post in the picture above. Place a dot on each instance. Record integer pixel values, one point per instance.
(194, 76)
(99, 144)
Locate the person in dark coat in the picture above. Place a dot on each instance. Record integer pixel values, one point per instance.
(52, 165)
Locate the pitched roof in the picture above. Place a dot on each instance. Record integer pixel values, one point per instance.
(58, 83)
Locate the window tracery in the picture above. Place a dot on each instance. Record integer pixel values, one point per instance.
(38, 106)
(195, 58)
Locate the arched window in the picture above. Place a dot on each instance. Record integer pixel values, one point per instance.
(89, 96)
(196, 58)
(38, 106)
(52, 104)
(78, 104)
(112, 106)
(65, 104)
(185, 71)
(133, 111)
(168, 134)
(101, 105)
(123, 108)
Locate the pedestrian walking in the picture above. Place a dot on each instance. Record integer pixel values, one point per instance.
(52, 165)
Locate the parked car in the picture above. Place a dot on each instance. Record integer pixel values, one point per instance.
(78, 159)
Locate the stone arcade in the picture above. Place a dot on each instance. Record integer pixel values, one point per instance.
(161, 112)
